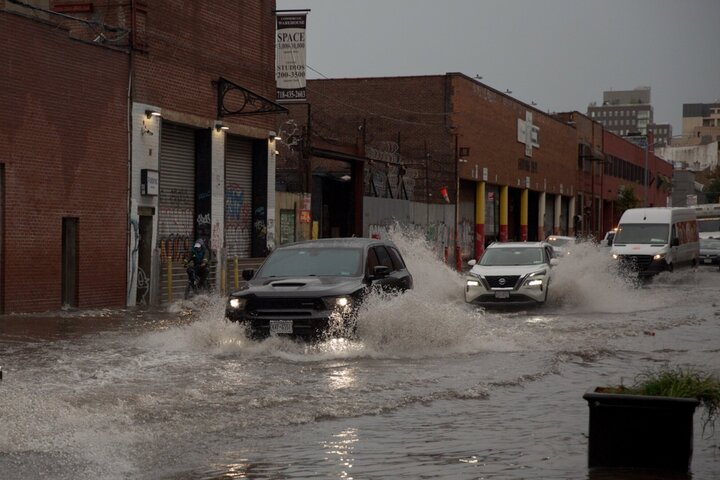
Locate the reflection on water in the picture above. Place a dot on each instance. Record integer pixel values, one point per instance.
(431, 386)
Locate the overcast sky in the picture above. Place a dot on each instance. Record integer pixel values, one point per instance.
(561, 54)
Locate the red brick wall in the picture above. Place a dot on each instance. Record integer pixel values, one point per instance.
(411, 112)
(192, 44)
(486, 123)
(64, 145)
(383, 114)
(628, 151)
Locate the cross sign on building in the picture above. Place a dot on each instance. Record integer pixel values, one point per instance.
(528, 134)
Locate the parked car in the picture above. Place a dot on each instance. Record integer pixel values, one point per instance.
(511, 273)
(710, 251)
(561, 245)
(607, 240)
(315, 287)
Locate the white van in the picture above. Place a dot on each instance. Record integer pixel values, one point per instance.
(651, 240)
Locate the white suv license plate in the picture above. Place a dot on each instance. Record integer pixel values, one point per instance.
(281, 326)
(502, 294)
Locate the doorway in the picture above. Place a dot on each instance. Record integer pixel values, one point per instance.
(69, 262)
(145, 232)
(2, 238)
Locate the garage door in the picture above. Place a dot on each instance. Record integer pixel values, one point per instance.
(238, 196)
(177, 191)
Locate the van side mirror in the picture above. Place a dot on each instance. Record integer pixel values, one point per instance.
(248, 274)
(675, 242)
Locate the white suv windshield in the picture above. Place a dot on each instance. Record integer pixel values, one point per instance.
(512, 256)
(345, 262)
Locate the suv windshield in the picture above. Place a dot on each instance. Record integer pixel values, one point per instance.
(344, 262)
(642, 233)
(557, 242)
(512, 256)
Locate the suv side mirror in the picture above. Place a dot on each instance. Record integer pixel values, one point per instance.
(380, 271)
(248, 274)
(472, 262)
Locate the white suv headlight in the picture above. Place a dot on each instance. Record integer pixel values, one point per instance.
(536, 279)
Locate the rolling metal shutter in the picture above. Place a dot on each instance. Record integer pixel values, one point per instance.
(238, 196)
(177, 191)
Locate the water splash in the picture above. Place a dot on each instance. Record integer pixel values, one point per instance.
(587, 280)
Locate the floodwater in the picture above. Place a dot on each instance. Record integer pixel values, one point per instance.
(433, 388)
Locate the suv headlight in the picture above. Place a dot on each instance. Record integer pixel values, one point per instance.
(472, 281)
(342, 303)
(237, 303)
(536, 279)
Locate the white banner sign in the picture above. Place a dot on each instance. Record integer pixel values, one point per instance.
(290, 57)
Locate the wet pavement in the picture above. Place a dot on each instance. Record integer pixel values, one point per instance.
(432, 388)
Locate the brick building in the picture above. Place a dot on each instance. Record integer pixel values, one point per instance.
(515, 172)
(63, 169)
(435, 140)
(134, 128)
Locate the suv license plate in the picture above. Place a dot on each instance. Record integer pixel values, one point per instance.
(502, 294)
(707, 260)
(281, 326)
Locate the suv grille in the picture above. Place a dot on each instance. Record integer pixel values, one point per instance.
(502, 281)
(284, 306)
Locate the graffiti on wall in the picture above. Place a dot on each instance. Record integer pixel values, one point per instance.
(134, 242)
(389, 177)
(176, 218)
(174, 246)
(143, 286)
(438, 236)
(237, 209)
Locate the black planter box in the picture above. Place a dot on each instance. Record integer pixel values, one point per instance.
(640, 431)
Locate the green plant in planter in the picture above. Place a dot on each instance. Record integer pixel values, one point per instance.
(678, 382)
(650, 423)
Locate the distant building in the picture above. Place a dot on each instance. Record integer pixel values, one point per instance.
(628, 113)
(701, 124)
(685, 190)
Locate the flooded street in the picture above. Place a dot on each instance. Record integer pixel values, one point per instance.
(432, 388)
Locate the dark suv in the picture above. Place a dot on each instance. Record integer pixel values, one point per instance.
(315, 287)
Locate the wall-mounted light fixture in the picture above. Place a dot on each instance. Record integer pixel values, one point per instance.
(152, 113)
(274, 136)
(277, 152)
(219, 127)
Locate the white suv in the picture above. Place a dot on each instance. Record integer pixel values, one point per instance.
(511, 273)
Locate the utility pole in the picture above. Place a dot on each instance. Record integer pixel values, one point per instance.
(458, 256)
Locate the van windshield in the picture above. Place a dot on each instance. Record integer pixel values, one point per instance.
(642, 233)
